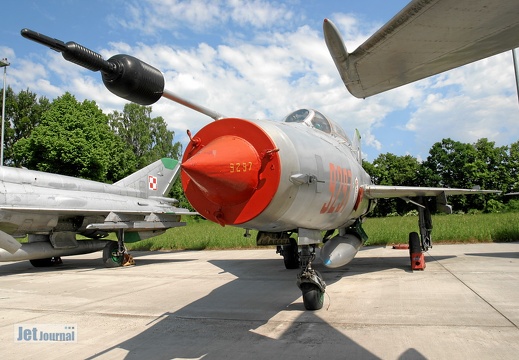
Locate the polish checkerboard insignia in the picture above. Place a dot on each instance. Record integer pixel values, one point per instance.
(152, 180)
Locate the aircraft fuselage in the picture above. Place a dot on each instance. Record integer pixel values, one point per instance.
(274, 176)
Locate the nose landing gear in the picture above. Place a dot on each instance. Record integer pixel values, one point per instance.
(310, 281)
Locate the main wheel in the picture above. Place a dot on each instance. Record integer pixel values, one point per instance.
(110, 257)
(313, 297)
(414, 243)
(291, 256)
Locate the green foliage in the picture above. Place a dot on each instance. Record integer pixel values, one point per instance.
(389, 169)
(513, 206)
(78, 139)
(198, 235)
(74, 139)
(177, 192)
(494, 206)
(148, 137)
(22, 114)
(451, 164)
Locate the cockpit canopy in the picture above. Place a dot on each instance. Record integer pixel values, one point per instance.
(318, 121)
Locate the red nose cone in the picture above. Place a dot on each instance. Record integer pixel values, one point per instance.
(230, 171)
(217, 174)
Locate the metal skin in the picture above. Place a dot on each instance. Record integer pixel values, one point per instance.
(300, 182)
(52, 209)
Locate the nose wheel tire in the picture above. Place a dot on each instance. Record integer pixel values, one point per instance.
(313, 297)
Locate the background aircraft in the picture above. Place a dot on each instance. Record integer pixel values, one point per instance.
(52, 209)
(294, 180)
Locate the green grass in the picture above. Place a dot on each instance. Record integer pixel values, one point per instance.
(198, 235)
(446, 228)
(201, 234)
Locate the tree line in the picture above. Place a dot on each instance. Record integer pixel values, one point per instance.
(69, 137)
(453, 164)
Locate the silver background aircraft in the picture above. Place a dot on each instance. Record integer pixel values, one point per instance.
(51, 210)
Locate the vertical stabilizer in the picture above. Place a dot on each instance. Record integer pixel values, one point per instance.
(155, 179)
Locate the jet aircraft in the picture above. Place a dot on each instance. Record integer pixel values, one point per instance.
(52, 209)
(300, 178)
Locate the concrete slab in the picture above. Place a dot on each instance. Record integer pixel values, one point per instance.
(243, 304)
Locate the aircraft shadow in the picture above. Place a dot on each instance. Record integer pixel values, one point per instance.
(370, 264)
(241, 315)
(77, 263)
(508, 255)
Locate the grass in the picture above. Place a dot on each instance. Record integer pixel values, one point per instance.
(201, 234)
(198, 235)
(446, 228)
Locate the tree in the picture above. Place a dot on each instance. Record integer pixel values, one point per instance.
(22, 114)
(392, 170)
(451, 164)
(74, 139)
(492, 172)
(148, 137)
(513, 167)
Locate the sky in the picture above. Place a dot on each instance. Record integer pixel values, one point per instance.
(258, 59)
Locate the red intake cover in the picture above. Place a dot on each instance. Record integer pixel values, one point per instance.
(230, 171)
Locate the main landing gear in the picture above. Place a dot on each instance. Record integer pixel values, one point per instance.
(115, 254)
(420, 243)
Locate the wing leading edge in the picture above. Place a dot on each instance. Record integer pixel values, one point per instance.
(408, 193)
(382, 191)
(425, 38)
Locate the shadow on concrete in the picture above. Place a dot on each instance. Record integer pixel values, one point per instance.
(76, 263)
(508, 255)
(238, 320)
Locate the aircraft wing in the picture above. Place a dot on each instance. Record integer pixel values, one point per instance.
(425, 38)
(91, 211)
(381, 191)
(118, 220)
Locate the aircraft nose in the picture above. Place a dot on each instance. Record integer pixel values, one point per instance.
(230, 171)
(218, 174)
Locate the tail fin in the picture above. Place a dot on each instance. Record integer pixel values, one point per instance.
(155, 179)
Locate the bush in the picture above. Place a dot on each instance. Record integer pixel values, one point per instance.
(494, 206)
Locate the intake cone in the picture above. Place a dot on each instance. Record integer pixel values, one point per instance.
(230, 171)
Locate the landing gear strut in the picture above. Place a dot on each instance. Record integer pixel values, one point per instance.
(424, 223)
(310, 281)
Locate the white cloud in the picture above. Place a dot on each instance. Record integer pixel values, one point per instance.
(468, 103)
(199, 15)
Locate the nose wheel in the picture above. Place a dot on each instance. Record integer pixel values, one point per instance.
(310, 281)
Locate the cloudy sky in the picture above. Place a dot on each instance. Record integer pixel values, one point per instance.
(258, 59)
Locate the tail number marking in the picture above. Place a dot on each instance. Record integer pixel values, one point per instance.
(240, 167)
